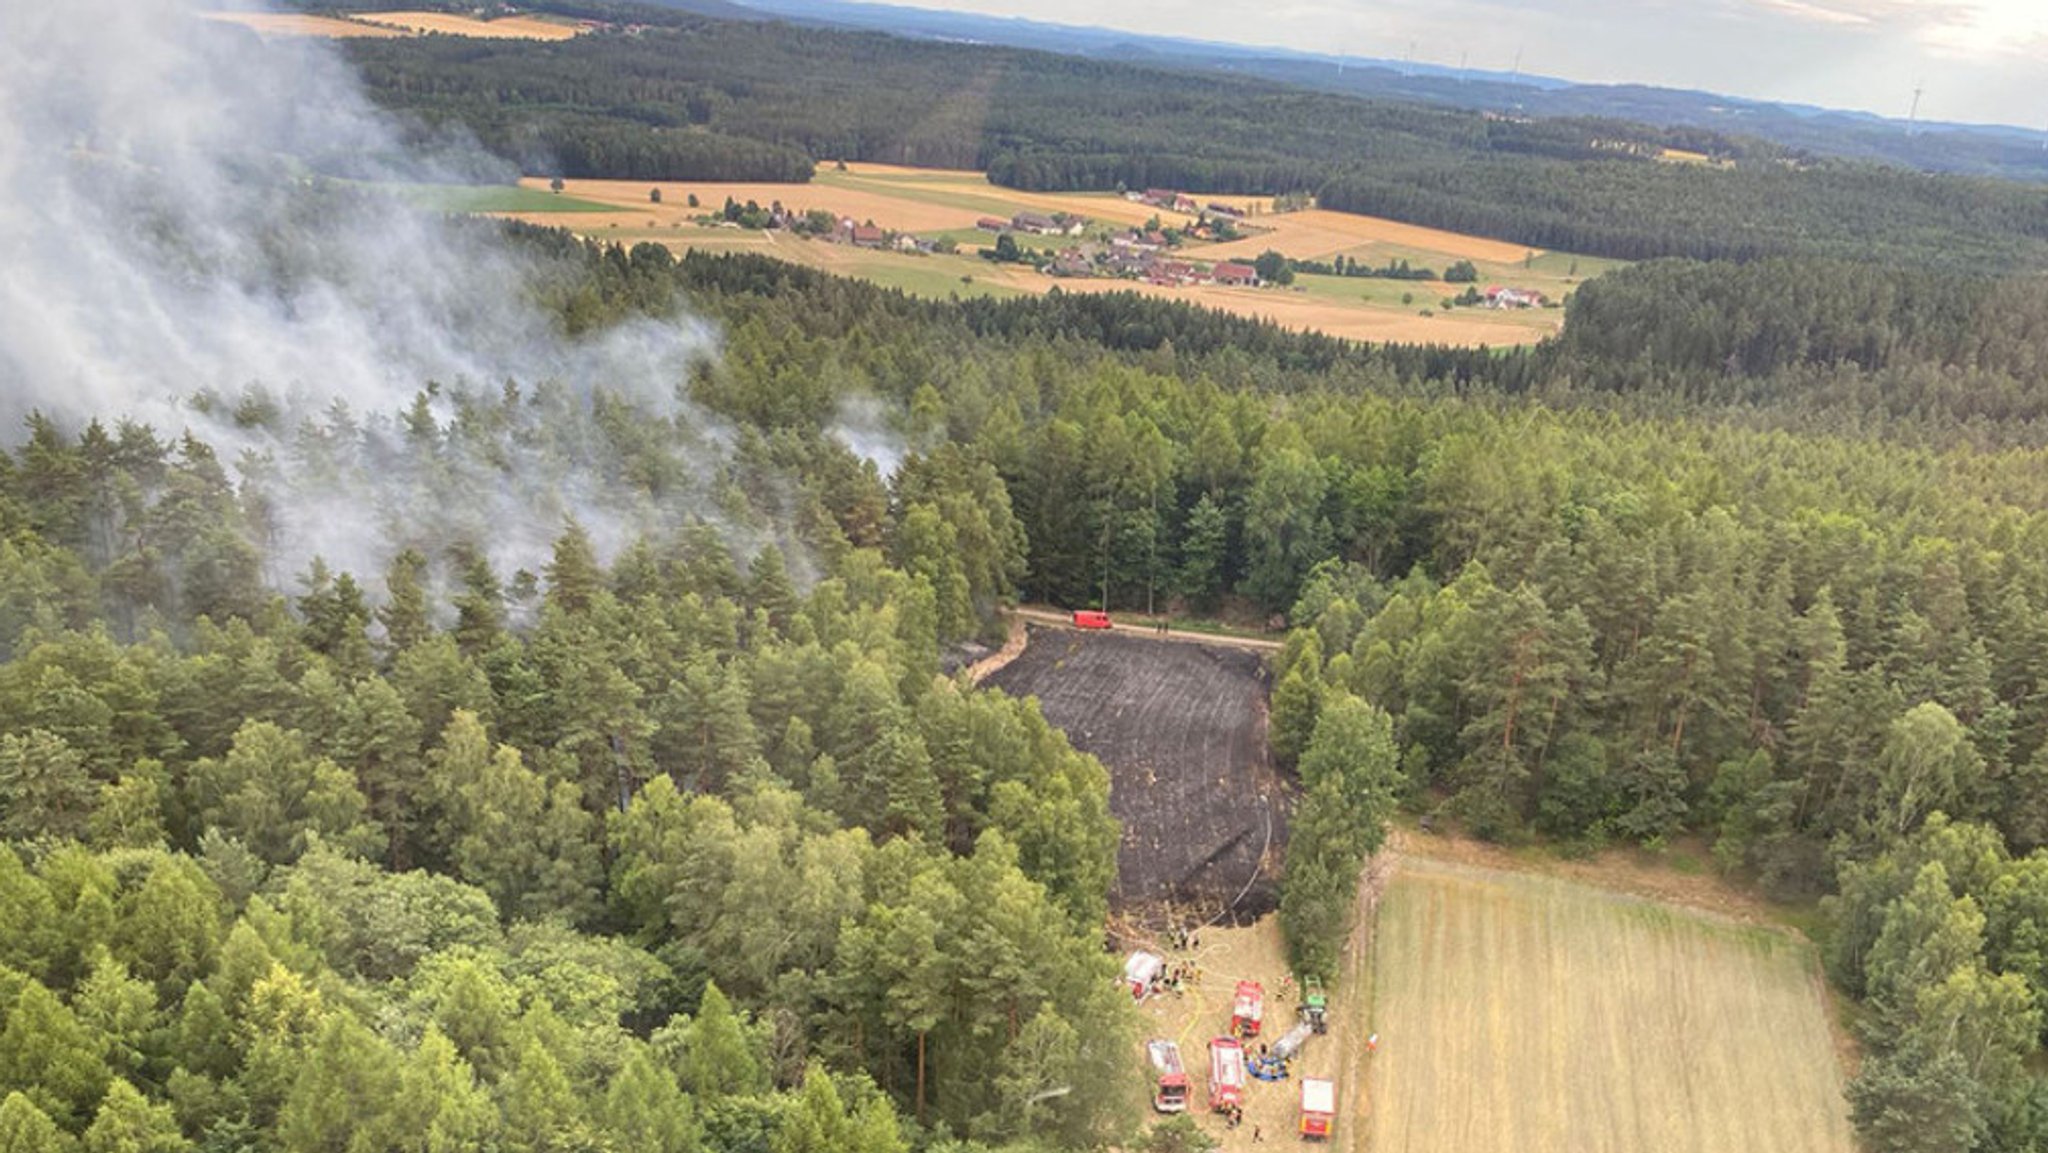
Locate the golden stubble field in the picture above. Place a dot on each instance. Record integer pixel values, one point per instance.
(301, 24)
(1523, 1013)
(391, 24)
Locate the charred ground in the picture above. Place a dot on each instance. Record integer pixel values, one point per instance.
(1182, 728)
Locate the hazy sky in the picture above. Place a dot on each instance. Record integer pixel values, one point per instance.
(1979, 60)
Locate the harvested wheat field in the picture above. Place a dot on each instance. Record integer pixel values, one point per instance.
(299, 24)
(890, 211)
(1301, 312)
(1317, 234)
(1522, 1013)
(449, 24)
(971, 189)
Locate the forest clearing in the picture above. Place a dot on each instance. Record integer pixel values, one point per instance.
(1522, 1012)
(1221, 956)
(394, 24)
(931, 204)
(1182, 729)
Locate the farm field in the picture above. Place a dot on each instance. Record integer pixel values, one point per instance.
(389, 24)
(938, 204)
(450, 24)
(491, 198)
(1182, 729)
(301, 24)
(1524, 1013)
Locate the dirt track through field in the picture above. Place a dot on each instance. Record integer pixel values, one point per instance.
(1182, 728)
(1522, 1013)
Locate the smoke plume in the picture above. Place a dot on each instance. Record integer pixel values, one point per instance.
(184, 242)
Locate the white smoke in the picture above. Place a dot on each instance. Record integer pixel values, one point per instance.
(170, 230)
(863, 424)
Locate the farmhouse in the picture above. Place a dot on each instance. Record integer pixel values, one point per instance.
(1231, 211)
(1498, 297)
(866, 236)
(1036, 223)
(1137, 241)
(1072, 262)
(992, 224)
(1170, 200)
(1232, 272)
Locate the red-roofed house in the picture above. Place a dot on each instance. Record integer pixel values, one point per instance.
(1232, 272)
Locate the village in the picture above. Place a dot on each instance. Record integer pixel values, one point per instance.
(941, 234)
(1153, 253)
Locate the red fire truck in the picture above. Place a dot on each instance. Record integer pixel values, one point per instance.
(1170, 1090)
(1318, 1108)
(1248, 1009)
(1226, 1075)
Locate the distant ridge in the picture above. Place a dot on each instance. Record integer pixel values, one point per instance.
(1989, 150)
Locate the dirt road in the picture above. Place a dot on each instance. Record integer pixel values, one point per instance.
(1142, 626)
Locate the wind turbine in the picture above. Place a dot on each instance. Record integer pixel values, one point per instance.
(1913, 115)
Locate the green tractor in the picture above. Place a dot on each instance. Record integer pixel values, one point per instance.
(1315, 1006)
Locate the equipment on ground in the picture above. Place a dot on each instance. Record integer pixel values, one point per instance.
(1226, 1075)
(1248, 1009)
(1170, 1087)
(1091, 619)
(1318, 1108)
(1288, 1047)
(1142, 972)
(1315, 1006)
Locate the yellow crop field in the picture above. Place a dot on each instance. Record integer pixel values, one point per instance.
(1521, 1013)
(1318, 233)
(449, 24)
(393, 24)
(300, 24)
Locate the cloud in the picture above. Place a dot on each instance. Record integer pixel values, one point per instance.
(1819, 13)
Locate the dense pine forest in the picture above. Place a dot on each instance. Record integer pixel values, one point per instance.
(695, 849)
(692, 98)
(675, 830)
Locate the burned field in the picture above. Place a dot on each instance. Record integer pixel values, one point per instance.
(1182, 728)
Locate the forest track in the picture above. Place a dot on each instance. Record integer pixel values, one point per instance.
(1053, 618)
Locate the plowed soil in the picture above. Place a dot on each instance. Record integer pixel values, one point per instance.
(1182, 728)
